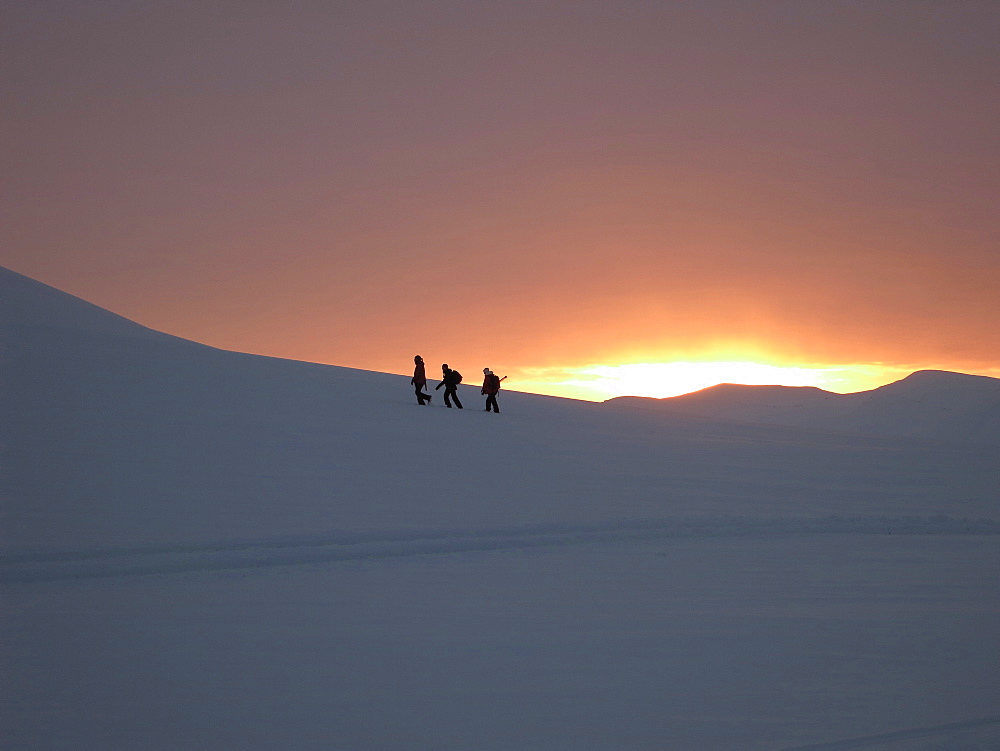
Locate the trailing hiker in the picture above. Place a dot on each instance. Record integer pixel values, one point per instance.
(450, 379)
(491, 387)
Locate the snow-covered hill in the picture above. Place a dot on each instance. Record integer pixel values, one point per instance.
(207, 549)
(929, 404)
(114, 432)
(35, 312)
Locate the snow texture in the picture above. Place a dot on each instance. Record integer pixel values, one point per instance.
(206, 549)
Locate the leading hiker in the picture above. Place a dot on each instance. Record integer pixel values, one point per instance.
(419, 380)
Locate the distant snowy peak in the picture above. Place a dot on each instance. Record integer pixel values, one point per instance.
(932, 404)
(28, 305)
(760, 395)
(943, 384)
(734, 401)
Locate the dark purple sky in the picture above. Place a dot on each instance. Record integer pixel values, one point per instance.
(525, 185)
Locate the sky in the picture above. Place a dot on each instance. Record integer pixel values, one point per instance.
(592, 198)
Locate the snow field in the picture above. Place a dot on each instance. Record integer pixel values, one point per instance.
(757, 642)
(204, 549)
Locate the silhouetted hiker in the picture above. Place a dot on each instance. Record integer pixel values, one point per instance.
(450, 380)
(419, 380)
(491, 387)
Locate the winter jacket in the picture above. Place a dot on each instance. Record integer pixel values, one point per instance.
(449, 379)
(491, 384)
(419, 377)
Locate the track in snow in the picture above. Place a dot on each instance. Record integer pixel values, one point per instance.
(901, 735)
(336, 547)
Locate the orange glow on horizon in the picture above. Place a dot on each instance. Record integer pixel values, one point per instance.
(666, 379)
(679, 210)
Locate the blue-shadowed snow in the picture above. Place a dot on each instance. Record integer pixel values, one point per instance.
(206, 549)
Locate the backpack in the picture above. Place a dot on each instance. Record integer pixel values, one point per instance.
(456, 377)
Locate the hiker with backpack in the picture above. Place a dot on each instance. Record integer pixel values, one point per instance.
(491, 387)
(450, 380)
(419, 380)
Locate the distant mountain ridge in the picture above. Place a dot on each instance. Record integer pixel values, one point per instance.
(933, 404)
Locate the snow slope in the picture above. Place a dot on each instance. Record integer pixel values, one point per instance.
(206, 549)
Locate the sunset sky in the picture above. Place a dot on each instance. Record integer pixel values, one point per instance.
(793, 191)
